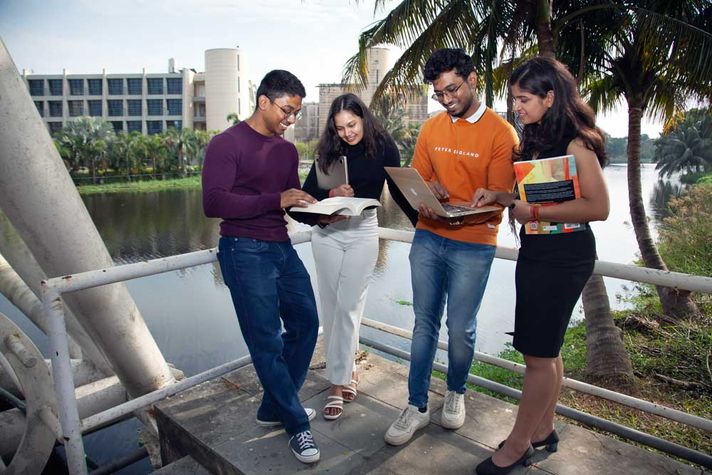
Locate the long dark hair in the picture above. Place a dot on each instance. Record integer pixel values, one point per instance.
(332, 147)
(538, 76)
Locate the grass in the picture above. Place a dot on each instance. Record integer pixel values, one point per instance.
(189, 183)
(670, 362)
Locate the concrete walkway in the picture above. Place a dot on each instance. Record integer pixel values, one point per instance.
(211, 429)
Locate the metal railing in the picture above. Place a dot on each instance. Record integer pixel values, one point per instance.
(73, 428)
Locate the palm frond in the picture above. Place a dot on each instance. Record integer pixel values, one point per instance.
(449, 29)
(400, 27)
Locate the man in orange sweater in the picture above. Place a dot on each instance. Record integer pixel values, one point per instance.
(466, 147)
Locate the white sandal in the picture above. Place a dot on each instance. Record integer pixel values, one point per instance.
(333, 402)
(350, 389)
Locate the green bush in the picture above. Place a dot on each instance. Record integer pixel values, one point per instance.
(685, 237)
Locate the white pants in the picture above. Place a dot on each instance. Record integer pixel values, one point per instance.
(345, 255)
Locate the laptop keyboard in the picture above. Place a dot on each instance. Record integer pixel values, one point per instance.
(456, 209)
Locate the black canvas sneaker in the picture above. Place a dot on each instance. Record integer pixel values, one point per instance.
(304, 448)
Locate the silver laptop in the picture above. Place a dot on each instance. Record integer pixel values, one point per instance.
(417, 191)
(338, 174)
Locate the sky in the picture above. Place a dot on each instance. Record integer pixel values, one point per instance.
(311, 38)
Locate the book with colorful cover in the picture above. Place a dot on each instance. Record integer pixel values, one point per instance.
(545, 182)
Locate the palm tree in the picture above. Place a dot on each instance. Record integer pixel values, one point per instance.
(180, 143)
(202, 139)
(85, 140)
(686, 147)
(233, 118)
(121, 154)
(521, 27)
(390, 113)
(658, 56)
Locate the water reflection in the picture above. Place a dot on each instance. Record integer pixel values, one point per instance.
(663, 191)
(141, 226)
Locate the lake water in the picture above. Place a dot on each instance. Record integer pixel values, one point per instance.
(191, 315)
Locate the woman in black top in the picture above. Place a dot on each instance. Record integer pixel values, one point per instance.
(552, 269)
(345, 249)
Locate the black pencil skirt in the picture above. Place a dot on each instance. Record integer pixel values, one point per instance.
(551, 273)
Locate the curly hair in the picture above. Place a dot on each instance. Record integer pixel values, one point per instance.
(447, 59)
(330, 144)
(538, 76)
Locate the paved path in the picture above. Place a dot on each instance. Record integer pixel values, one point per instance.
(211, 429)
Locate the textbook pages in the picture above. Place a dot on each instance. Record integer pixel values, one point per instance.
(339, 205)
(548, 181)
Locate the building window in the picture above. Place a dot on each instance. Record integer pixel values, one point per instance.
(76, 108)
(174, 124)
(40, 107)
(116, 107)
(94, 87)
(154, 106)
(135, 86)
(154, 126)
(118, 126)
(133, 126)
(54, 127)
(55, 87)
(76, 87)
(155, 85)
(175, 106)
(55, 108)
(134, 107)
(36, 87)
(116, 87)
(94, 108)
(174, 85)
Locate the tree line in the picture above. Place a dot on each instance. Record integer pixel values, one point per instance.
(89, 146)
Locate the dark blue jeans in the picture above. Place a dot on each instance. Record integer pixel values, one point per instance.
(270, 287)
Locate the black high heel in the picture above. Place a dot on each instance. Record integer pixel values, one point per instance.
(551, 442)
(489, 468)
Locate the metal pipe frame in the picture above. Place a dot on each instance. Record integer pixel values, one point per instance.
(635, 403)
(660, 444)
(64, 381)
(109, 416)
(73, 427)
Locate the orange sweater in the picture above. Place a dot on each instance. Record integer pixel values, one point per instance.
(464, 156)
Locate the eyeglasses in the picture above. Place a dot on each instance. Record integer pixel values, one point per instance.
(297, 114)
(449, 92)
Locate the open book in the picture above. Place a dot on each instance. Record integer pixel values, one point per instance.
(339, 205)
(548, 181)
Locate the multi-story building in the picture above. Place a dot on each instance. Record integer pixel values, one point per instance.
(149, 102)
(307, 128)
(378, 64)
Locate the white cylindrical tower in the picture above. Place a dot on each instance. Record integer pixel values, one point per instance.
(378, 64)
(226, 87)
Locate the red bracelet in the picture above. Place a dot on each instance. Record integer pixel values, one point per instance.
(534, 212)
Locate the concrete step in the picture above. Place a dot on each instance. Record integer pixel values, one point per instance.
(214, 424)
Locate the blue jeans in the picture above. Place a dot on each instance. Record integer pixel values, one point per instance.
(445, 270)
(267, 280)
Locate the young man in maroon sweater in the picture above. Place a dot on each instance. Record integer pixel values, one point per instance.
(249, 179)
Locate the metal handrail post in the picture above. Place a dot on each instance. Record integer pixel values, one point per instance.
(64, 381)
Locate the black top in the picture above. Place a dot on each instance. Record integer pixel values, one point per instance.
(366, 177)
(559, 149)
